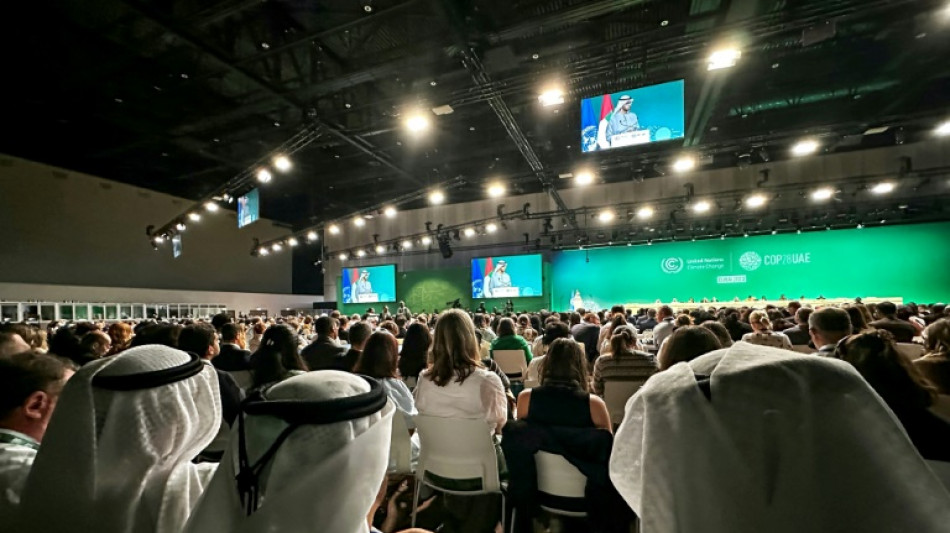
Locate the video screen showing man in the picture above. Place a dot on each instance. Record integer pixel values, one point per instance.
(362, 288)
(622, 120)
(499, 278)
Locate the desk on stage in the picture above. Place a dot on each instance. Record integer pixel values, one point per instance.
(807, 302)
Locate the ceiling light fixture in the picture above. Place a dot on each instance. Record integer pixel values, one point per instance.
(211, 207)
(390, 212)
(406, 244)
(417, 123)
(359, 222)
(293, 241)
(436, 197)
(311, 236)
(943, 129)
(496, 190)
(276, 247)
(380, 249)
(644, 212)
(701, 206)
(605, 216)
(342, 256)
(281, 163)
(469, 232)
(756, 200)
(334, 229)
(263, 251)
(684, 164)
(360, 253)
(723, 58)
(805, 147)
(551, 97)
(426, 241)
(822, 194)
(180, 226)
(584, 178)
(883, 188)
(264, 175)
(194, 217)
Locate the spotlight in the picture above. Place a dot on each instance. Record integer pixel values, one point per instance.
(194, 217)
(701, 206)
(311, 235)
(943, 129)
(360, 253)
(756, 200)
(584, 178)
(551, 97)
(211, 207)
(276, 247)
(426, 241)
(263, 251)
(380, 249)
(342, 256)
(334, 229)
(359, 222)
(605, 215)
(436, 197)
(644, 212)
(158, 239)
(822, 194)
(293, 241)
(808, 146)
(469, 232)
(491, 227)
(496, 190)
(883, 188)
(684, 164)
(406, 244)
(724, 58)
(264, 175)
(417, 123)
(281, 163)
(390, 212)
(180, 226)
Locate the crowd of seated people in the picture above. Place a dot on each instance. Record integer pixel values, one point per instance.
(237, 386)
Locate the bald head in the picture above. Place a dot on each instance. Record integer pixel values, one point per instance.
(11, 343)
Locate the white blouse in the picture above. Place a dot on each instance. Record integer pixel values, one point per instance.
(481, 395)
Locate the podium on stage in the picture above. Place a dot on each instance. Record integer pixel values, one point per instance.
(630, 138)
(369, 297)
(505, 292)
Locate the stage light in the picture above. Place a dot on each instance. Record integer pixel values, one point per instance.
(644, 213)
(359, 222)
(180, 226)
(436, 197)
(276, 247)
(281, 163)
(426, 241)
(808, 146)
(701, 206)
(943, 129)
(406, 244)
(491, 227)
(469, 232)
(883, 188)
(334, 229)
(496, 190)
(211, 207)
(724, 58)
(584, 178)
(417, 123)
(390, 212)
(293, 241)
(605, 215)
(158, 239)
(311, 235)
(342, 256)
(822, 194)
(684, 164)
(263, 251)
(264, 175)
(360, 253)
(756, 200)
(194, 217)
(380, 249)
(551, 97)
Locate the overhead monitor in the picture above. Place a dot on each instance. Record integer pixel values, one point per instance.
(249, 208)
(176, 246)
(369, 284)
(637, 116)
(506, 276)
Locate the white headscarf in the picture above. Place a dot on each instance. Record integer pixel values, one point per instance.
(787, 443)
(323, 477)
(116, 460)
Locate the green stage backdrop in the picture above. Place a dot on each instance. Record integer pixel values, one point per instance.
(431, 289)
(908, 261)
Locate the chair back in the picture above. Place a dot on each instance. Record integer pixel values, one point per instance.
(531, 383)
(562, 480)
(803, 348)
(616, 394)
(243, 378)
(910, 350)
(512, 363)
(458, 451)
(400, 446)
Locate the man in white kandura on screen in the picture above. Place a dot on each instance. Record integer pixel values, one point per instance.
(498, 278)
(363, 286)
(622, 120)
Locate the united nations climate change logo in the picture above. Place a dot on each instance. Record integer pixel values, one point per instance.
(672, 265)
(750, 261)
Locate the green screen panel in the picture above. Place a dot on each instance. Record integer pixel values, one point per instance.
(895, 261)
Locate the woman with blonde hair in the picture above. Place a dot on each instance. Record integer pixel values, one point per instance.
(935, 364)
(121, 335)
(762, 333)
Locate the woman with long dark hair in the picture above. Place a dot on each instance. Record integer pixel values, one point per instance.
(415, 352)
(277, 358)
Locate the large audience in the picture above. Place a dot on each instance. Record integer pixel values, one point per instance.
(744, 419)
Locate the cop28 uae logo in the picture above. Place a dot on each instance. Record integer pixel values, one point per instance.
(750, 261)
(672, 265)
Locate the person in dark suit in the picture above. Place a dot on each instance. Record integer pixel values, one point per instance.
(359, 333)
(232, 358)
(201, 340)
(798, 334)
(324, 353)
(902, 330)
(648, 321)
(587, 332)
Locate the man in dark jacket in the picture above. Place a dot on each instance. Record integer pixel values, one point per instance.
(324, 353)
(902, 330)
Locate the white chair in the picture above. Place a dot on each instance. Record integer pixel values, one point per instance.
(616, 394)
(559, 478)
(803, 348)
(400, 447)
(456, 452)
(531, 383)
(910, 350)
(512, 363)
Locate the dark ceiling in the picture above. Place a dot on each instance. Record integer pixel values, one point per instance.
(180, 96)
